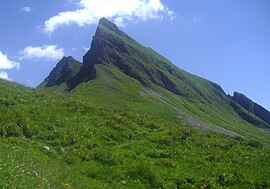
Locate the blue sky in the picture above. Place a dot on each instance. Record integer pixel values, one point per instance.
(225, 41)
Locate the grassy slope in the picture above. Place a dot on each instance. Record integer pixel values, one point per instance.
(200, 98)
(49, 140)
(112, 88)
(116, 89)
(113, 132)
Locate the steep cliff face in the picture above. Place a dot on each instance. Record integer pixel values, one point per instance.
(244, 101)
(251, 106)
(262, 112)
(64, 71)
(111, 46)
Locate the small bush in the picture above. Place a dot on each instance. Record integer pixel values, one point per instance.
(146, 174)
(10, 130)
(105, 156)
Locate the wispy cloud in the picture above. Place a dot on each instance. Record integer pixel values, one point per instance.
(90, 11)
(4, 75)
(6, 64)
(51, 52)
(26, 9)
(196, 19)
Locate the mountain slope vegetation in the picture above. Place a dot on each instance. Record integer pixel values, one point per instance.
(62, 141)
(128, 118)
(129, 75)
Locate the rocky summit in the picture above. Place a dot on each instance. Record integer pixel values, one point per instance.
(252, 107)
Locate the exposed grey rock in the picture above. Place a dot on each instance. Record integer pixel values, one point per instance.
(252, 107)
(65, 69)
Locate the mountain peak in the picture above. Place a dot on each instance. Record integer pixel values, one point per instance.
(66, 60)
(106, 29)
(251, 106)
(65, 69)
(108, 24)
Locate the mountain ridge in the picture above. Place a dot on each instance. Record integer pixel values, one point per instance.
(251, 106)
(65, 70)
(113, 52)
(104, 39)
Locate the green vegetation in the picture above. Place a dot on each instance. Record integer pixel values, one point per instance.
(128, 118)
(63, 141)
(135, 78)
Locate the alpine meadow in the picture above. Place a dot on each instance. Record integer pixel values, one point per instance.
(126, 117)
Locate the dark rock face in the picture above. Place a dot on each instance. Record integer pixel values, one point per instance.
(119, 51)
(244, 101)
(66, 69)
(169, 85)
(262, 113)
(251, 106)
(249, 117)
(112, 47)
(218, 88)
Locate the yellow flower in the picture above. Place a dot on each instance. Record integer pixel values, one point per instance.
(66, 185)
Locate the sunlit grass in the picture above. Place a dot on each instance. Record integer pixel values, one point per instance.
(63, 141)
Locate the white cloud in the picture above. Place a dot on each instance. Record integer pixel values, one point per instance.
(47, 51)
(90, 11)
(26, 9)
(4, 75)
(6, 64)
(171, 13)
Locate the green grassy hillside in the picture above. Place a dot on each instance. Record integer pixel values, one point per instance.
(128, 118)
(112, 88)
(119, 72)
(64, 141)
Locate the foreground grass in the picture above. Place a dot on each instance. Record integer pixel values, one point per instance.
(59, 141)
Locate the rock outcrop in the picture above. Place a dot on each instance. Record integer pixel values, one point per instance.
(64, 71)
(251, 106)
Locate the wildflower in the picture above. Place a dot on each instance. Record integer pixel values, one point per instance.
(46, 148)
(66, 185)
